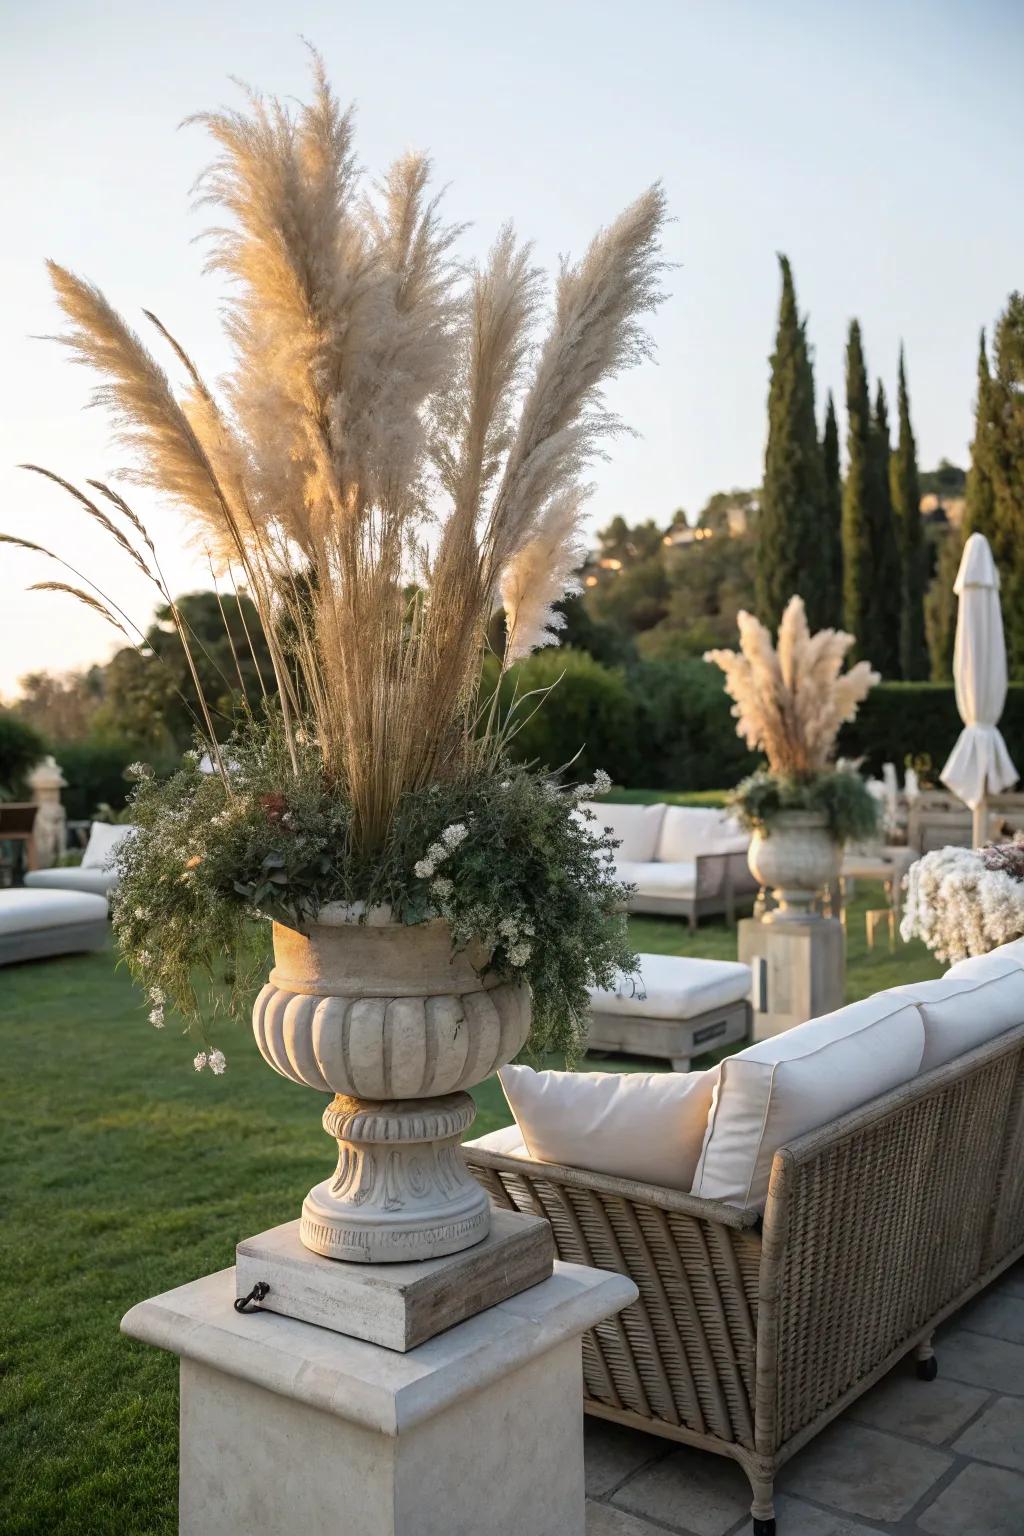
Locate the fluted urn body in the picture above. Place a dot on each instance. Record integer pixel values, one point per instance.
(797, 858)
(397, 1027)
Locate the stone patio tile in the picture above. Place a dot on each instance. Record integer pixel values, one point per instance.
(612, 1452)
(795, 1518)
(982, 1361)
(931, 1411)
(605, 1520)
(982, 1501)
(998, 1436)
(864, 1472)
(1012, 1280)
(689, 1491)
(996, 1313)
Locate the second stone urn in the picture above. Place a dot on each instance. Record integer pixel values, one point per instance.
(386, 1017)
(796, 858)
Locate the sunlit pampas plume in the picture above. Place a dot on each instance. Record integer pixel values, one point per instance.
(400, 444)
(790, 699)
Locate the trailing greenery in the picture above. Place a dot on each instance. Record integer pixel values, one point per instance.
(506, 858)
(839, 793)
(792, 557)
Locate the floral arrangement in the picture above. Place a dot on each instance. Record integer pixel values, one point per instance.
(398, 452)
(966, 901)
(790, 700)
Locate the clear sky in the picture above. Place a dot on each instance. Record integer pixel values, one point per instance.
(877, 144)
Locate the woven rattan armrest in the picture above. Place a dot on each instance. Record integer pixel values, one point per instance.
(627, 1189)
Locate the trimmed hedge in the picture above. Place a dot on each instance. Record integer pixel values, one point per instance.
(898, 720)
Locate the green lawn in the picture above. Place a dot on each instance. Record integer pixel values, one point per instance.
(125, 1174)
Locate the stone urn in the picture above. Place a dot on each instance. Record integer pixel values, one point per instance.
(797, 857)
(385, 1017)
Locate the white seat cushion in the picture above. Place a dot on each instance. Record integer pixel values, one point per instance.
(1013, 951)
(690, 830)
(674, 880)
(674, 987)
(75, 878)
(779, 1088)
(975, 1000)
(101, 849)
(27, 911)
(635, 1125)
(635, 826)
(508, 1141)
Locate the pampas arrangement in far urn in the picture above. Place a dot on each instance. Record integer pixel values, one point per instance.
(398, 451)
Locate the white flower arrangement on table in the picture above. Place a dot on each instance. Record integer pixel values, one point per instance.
(965, 901)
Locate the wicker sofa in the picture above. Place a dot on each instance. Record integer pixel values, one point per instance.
(684, 860)
(752, 1332)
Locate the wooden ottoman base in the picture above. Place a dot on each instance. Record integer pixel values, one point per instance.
(674, 1040)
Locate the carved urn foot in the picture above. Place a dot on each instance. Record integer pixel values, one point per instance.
(387, 1018)
(401, 1189)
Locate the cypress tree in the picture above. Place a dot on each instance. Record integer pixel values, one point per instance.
(1005, 436)
(906, 509)
(858, 576)
(790, 553)
(887, 581)
(832, 519)
(981, 499)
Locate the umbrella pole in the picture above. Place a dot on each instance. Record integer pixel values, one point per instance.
(979, 824)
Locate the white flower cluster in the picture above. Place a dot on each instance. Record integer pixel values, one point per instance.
(214, 1059)
(959, 907)
(447, 843)
(515, 931)
(158, 1001)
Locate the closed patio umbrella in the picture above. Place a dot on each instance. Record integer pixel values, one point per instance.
(979, 764)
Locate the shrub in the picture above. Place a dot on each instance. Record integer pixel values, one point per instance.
(688, 736)
(21, 747)
(591, 710)
(898, 720)
(95, 771)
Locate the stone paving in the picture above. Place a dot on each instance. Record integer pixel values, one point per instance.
(941, 1458)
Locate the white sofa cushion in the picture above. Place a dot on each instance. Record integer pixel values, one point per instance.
(101, 849)
(636, 827)
(674, 987)
(27, 911)
(635, 1125)
(100, 882)
(1013, 951)
(678, 881)
(687, 831)
(508, 1141)
(976, 1000)
(777, 1089)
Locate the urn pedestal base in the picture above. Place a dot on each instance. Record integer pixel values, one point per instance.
(401, 1190)
(287, 1427)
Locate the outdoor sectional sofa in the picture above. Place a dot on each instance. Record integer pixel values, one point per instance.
(685, 860)
(761, 1319)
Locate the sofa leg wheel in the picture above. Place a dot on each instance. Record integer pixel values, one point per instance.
(764, 1528)
(927, 1370)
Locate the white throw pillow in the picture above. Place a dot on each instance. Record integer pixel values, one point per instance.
(636, 1125)
(779, 1088)
(635, 826)
(975, 1000)
(690, 830)
(102, 846)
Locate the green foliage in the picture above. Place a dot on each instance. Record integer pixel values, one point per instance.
(898, 720)
(21, 747)
(500, 856)
(832, 523)
(906, 509)
(95, 771)
(940, 606)
(857, 550)
(1001, 402)
(792, 557)
(885, 605)
(663, 724)
(840, 793)
(709, 582)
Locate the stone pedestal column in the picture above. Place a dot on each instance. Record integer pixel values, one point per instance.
(799, 970)
(288, 1427)
(50, 829)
